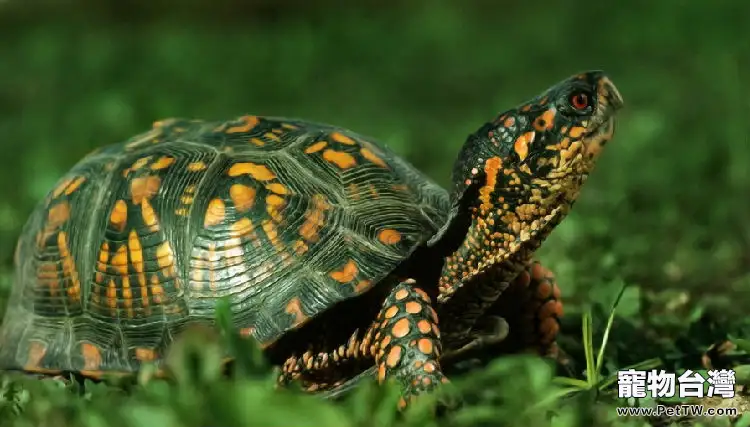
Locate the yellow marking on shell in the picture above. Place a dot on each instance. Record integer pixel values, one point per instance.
(277, 188)
(341, 138)
(347, 273)
(314, 148)
(243, 197)
(118, 218)
(68, 186)
(389, 236)
(61, 187)
(162, 163)
(144, 188)
(271, 136)
(103, 260)
(58, 215)
(47, 274)
(112, 296)
(92, 357)
(314, 218)
(149, 216)
(521, 145)
(144, 138)
(68, 267)
(257, 141)
(37, 351)
(372, 157)
(165, 256)
(248, 123)
(143, 354)
(136, 256)
(215, 213)
(259, 172)
(197, 166)
(242, 227)
(273, 235)
(157, 291)
(339, 158)
(274, 204)
(140, 163)
(491, 168)
(294, 307)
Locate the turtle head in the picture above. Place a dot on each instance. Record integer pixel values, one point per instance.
(518, 175)
(547, 145)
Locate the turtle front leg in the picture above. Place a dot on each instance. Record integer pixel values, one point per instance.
(406, 343)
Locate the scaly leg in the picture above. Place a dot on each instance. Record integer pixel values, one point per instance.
(403, 342)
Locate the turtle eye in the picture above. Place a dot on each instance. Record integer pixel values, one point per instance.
(580, 101)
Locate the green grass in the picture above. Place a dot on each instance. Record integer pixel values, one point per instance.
(664, 216)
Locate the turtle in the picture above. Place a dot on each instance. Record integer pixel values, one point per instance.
(333, 253)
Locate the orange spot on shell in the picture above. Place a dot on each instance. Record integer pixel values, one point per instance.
(277, 188)
(58, 214)
(197, 166)
(400, 328)
(144, 188)
(248, 123)
(429, 367)
(389, 236)
(314, 148)
(314, 218)
(215, 213)
(346, 274)
(149, 216)
(381, 373)
(37, 350)
(145, 354)
(119, 215)
(243, 197)
(259, 172)
(294, 307)
(372, 157)
(162, 163)
(394, 357)
(341, 138)
(510, 121)
(339, 158)
(92, 357)
(242, 227)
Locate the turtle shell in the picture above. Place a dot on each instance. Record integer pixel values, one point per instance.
(283, 217)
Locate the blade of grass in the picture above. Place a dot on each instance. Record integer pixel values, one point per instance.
(610, 322)
(588, 346)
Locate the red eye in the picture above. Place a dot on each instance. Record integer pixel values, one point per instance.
(579, 101)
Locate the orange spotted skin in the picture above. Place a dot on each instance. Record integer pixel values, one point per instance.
(336, 256)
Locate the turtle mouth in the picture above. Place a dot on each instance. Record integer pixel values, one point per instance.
(609, 101)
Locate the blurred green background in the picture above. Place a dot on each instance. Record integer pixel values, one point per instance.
(666, 212)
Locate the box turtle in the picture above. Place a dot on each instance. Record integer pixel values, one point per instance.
(335, 254)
